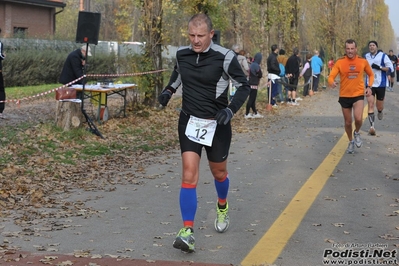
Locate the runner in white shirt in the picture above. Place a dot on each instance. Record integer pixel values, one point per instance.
(381, 65)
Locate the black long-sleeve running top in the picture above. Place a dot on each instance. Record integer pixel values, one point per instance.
(205, 80)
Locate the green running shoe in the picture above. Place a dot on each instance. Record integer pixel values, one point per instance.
(222, 220)
(185, 240)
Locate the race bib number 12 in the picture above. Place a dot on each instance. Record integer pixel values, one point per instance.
(201, 130)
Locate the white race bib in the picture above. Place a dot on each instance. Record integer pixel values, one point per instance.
(201, 130)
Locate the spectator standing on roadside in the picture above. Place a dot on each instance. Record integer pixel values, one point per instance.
(306, 73)
(73, 65)
(241, 59)
(273, 70)
(292, 73)
(249, 60)
(317, 67)
(282, 59)
(381, 65)
(243, 62)
(394, 60)
(351, 69)
(255, 74)
(2, 89)
(204, 69)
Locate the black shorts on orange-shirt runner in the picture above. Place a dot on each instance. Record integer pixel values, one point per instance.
(220, 144)
(347, 102)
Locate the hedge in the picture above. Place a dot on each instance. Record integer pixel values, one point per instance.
(34, 67)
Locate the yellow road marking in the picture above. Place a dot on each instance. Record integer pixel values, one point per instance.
(273, 242)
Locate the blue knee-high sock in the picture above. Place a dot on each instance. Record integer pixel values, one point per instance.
(222, 188)
(188, 204)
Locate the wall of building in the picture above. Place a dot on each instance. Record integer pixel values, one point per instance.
(38, 21)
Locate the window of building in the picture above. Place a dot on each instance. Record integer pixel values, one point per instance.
(20, 32)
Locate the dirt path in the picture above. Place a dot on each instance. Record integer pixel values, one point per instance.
(36, 111)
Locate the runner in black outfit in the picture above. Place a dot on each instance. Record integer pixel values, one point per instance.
(204, 69)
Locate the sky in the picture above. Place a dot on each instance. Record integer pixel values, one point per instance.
(393, 16)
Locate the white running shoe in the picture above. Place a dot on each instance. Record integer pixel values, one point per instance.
(248, 116)
(257, 115)
(380, 115)
(358, 140)
(372, 131)
(299, 99)
(351, 147)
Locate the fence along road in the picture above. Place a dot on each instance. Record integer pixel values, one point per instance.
(103, 47)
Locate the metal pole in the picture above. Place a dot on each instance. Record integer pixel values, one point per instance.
(87, 5)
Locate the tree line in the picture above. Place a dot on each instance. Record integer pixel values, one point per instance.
(253, 24)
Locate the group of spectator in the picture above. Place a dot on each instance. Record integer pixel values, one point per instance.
(290, 72)
(253, 72)
(284, 73)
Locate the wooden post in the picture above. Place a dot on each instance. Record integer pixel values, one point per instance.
(69, 115)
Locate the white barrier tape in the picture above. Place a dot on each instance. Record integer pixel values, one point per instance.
(125, 75)
(18, 101)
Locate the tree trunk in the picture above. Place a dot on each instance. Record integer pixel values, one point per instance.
(153, 49)
(69, 115)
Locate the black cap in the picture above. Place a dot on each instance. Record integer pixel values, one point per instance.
(376, 44)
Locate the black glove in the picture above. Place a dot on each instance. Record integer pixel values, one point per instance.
(224, 116)
(375, 66)
(164, 97)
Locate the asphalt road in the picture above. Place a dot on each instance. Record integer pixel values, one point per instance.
(295, 197)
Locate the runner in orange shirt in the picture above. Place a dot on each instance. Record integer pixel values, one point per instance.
(351, 69)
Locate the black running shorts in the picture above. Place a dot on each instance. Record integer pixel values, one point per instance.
(220, 145)
(378, 93)
(347, 102)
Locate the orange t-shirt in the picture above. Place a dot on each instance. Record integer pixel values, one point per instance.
(351, 72)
